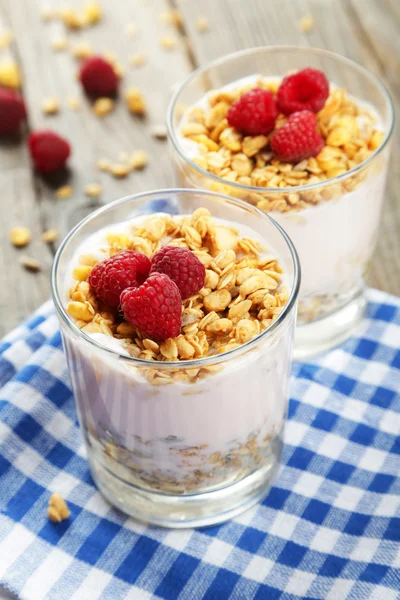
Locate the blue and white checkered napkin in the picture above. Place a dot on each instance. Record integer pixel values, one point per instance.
(329, 529)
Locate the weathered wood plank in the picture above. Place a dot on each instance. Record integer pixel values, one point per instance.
(21, 291)
(357, 29)
(377, 27)
(48, 73)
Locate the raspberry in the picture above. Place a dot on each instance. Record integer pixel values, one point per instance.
(49, 151)
(124, 270)
(12, 111)
(254, 113)
(298, 138)
(98, 77)
(182, 266)
(306, 90)
(155, 307)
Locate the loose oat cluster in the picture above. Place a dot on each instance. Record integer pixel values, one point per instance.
(243, 292)
(58, 510)
(349, 132)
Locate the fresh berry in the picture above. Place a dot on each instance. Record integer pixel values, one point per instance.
(306, 90)
(12, 111)
(298, 138)
(110, 277)
(155, 308)
(254, 113)
(182, 266)
(98, 77)
(49, 151)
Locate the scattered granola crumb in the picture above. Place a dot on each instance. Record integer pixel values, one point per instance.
(131, 29)
(30, 264)
(135, 101)
(82, 50)
(20, 236)
(10, 75)
(58, 44)
(118, 170)
(58, 509)
(73, 103)
(171, 17)
(168, 42)
(103, 164)
(159, 132)
(103, 106)
(71, 19)
(139, 159)
(93, 190)
(138, 60)
(51, 105)
(201, 24)
(5, 39)
(50, 236)
(64, 192)
(92, 13)
(306, 23)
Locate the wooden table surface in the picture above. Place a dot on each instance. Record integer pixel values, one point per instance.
(365, 30)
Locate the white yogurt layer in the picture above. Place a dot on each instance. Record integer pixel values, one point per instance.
(334, 239)
(248, 397)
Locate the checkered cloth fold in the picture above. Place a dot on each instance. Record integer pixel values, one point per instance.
(328, 529)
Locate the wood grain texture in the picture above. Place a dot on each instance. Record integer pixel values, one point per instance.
(21, 292)
(364, 30)
(48, 73)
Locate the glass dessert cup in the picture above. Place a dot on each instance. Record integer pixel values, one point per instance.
(182, 443)
(334, 223)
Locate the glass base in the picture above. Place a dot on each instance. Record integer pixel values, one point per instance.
(327, 332)
(184, 511)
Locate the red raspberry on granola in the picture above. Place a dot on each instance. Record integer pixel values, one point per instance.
(110, 277)
(298, 138)
(254, 113)
(182, 266)
(155, 308)
(306, 90)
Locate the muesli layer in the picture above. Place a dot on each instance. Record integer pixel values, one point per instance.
(350, 129)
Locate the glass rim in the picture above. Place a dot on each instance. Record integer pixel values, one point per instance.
(268, 190)
(198, 362)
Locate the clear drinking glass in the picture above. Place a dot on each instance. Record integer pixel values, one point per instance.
(335, 232)
(160, 448)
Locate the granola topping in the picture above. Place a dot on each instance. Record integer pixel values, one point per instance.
(244, 290)
(350, 130)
